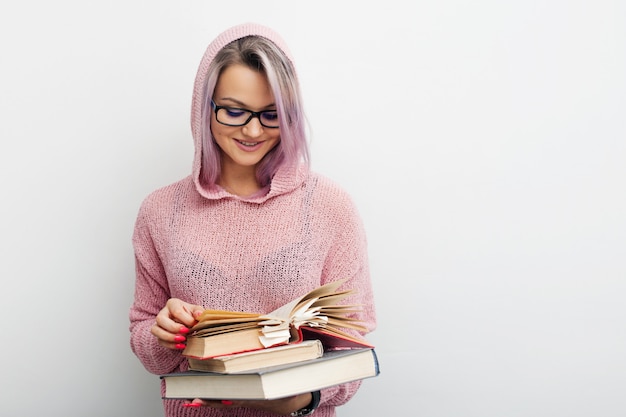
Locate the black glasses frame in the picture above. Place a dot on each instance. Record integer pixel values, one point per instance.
(253, 114)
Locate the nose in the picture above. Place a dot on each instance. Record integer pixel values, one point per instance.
(253, 128)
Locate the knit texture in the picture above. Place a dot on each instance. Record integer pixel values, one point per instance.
(229, 253)
(221, 251)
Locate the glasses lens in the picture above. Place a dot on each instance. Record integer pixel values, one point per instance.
(269, 118)
(238, 117)
(231, 116)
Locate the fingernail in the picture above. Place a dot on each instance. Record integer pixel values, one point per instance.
(227, 402)
(191, 405)
(179, 338)
(180, 346)
(183, 329)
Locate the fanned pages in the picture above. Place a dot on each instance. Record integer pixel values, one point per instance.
(220, 332)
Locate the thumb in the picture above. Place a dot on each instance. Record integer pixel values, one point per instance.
(197, 312)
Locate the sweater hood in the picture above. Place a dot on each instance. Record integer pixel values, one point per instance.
(286, 178)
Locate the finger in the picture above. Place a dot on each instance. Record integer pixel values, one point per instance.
(167, 339)
(181, 312)
(197, 402)
(196, 312)
(213, 403)
(168, 322)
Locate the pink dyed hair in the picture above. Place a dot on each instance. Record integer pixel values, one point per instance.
(263, 55)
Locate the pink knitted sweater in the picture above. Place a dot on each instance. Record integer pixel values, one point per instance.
(220, 251)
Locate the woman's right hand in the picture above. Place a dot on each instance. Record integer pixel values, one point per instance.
(174, 321)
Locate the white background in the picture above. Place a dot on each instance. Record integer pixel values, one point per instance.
(484, 142)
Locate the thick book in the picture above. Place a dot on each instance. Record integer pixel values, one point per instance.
(315, 315)
(262, 358)
(333, 368)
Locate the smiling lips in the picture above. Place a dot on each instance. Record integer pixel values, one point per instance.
(249, 145)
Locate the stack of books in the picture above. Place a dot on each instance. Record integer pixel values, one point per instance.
(297, 348)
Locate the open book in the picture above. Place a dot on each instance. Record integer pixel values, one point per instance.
(315, 315)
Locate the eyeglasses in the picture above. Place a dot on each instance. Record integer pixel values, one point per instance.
(233, 116)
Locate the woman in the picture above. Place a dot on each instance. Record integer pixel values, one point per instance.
(251, 229)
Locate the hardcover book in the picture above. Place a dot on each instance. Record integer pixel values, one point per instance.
(333, 368)
(262, 358)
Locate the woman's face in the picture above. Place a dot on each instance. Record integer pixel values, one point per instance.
(243, 146)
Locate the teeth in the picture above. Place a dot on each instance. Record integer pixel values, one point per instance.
(247, 143)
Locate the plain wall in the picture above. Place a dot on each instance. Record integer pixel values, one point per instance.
(484, 142)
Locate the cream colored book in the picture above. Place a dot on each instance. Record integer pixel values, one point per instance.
(333, 368)
(262, 358)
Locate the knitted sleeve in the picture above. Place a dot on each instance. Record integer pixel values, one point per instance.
(151, 295)
(347, 257)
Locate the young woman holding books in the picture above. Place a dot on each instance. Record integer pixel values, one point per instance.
(251, 228)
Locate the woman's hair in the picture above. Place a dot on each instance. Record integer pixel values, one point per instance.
(259, 54)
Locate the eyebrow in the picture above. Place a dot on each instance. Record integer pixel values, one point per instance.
(242, 104)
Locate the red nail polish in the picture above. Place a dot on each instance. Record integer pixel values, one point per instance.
(180, 346)
(227, 402)
(183, 330)
(191, 405)
(179, 338)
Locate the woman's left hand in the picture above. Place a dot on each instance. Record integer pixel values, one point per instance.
(282, 406)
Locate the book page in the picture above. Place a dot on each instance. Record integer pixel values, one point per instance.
(319, 308)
